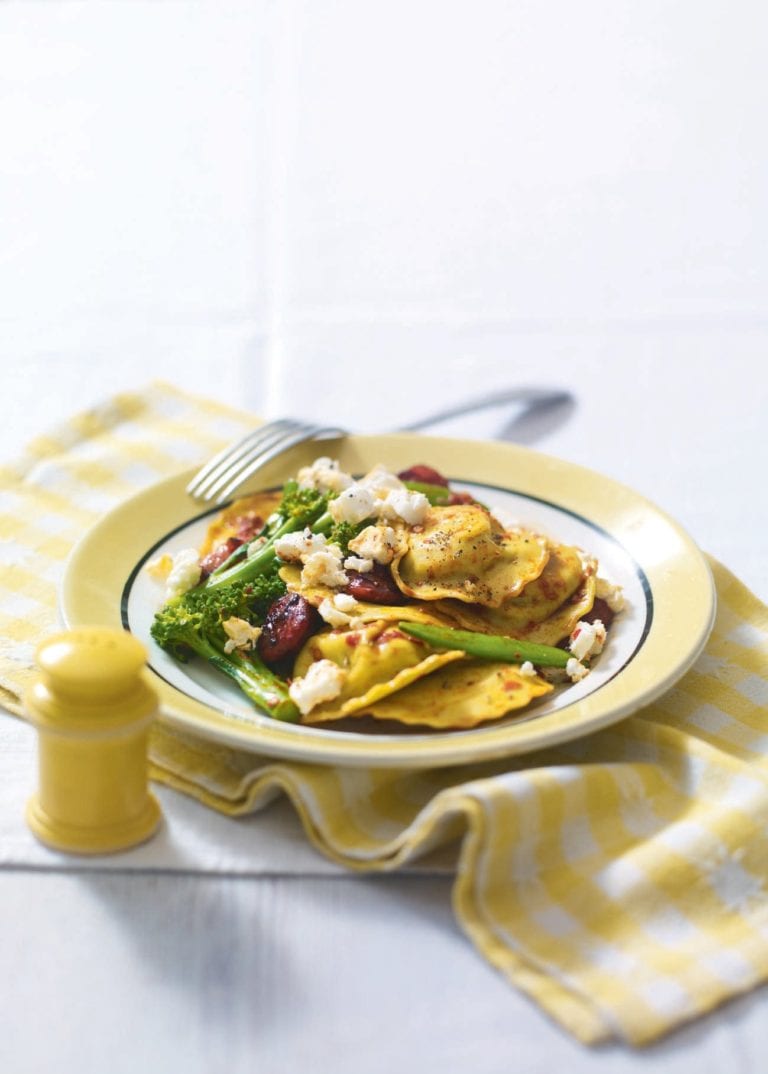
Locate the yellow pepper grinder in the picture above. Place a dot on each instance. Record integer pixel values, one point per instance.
(93, 709)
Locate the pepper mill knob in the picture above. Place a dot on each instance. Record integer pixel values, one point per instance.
(93, 709)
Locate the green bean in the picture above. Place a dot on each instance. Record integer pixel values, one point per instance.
(436, 494)
(488, 646)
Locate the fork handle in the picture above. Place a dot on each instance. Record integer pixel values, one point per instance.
(533, 397)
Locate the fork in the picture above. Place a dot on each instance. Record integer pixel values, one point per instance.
(217, 480)
(234, 464)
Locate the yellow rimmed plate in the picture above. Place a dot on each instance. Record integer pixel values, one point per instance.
(666, 579)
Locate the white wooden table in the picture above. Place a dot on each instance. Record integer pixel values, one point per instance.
(362, 212)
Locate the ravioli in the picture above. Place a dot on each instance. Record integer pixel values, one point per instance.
(524, 615)
(461, 696)
(560, 625)
(240, 514)
(462, 552)
(378, 661)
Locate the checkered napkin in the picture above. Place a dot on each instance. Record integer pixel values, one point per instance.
(619, 880)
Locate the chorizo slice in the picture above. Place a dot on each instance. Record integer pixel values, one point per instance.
(600, 610)
(289, 622)
(376, 586)
(220, 553)
(427, 475)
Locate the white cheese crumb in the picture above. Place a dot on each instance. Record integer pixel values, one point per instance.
(324, 568)
(336, 610)
(411, 507)
(575, 670)
(296, 547)
(613, 595)
(380, 481)
(353, 505)
(321, 561)
(527, 670)
(379, 543)
(240, 634)
(323, 682)
(587, 639)
(325, 475)
(588, 563)
(334, 616)
(354, 563)
(184, 574)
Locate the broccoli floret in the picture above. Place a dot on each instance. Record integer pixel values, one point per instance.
(244, 587)
(263, 591)
(303, 505)
(341, 533)
(192, 624)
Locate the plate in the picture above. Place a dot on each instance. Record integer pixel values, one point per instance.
(666, 579)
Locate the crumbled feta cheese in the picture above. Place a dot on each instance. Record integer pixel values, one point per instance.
(184, 574)
(160, 568)
(380, 481)
(587, 639)
(588, 564)
(379, 543)
(575, 670)
(527, 670)
(354, 563)
(613, 595)
(411, 507)
(336, 610)
(325, 475)
(295, 547)
(331, 615)
(240, 634)
(334, 616)
(323, 682)
(353, 505)
(324, 568)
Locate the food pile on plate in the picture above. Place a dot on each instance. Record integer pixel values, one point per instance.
(392, 597)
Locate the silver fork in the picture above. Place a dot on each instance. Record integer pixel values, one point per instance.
(234, 464)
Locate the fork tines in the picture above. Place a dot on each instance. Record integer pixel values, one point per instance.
(229, 468)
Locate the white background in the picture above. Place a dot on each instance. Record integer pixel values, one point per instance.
(359, 211)
(352, 210)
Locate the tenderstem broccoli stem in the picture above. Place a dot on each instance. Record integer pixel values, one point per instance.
(488, 646)
(268, 530)
(262, 686)
(253, 566)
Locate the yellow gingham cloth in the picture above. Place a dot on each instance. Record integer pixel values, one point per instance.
(619, 880)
